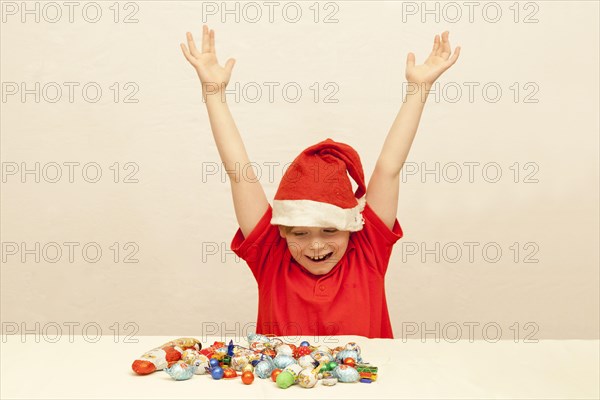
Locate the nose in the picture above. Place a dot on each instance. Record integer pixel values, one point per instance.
(316, 245)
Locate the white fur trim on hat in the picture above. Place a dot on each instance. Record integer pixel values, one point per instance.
(314, 213)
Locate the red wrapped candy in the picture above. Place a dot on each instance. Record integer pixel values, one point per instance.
(302, 351)
(161, 357)
(229, 373)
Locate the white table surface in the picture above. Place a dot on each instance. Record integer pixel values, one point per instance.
(548, 369)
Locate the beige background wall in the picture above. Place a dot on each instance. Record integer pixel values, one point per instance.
(177, 220)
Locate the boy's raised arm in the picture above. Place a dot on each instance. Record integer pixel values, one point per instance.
(382, 191)
(249, 199)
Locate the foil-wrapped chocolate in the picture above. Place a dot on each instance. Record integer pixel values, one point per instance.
(180, 371)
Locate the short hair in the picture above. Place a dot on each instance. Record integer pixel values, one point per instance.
(286, 229)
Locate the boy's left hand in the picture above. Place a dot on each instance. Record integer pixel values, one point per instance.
(438, 61)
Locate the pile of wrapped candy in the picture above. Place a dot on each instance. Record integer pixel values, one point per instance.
(265, 357)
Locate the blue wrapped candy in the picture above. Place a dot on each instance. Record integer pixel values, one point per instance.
(180, 371)
(346, 374)
(282, 360)
(217, 372)
(255, 337)
(264, 367)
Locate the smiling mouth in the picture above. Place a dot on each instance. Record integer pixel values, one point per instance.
(321, 258)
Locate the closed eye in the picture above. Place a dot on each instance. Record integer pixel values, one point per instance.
(324, 230)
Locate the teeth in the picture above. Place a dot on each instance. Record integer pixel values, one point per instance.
(319, 258)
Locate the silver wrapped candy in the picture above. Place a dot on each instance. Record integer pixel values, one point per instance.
(307, 378)
(321, 356)
(307, 362)
(264, 368)
(346, 374)
(343, 354)
(180, 371)
(189, 356)
(255, 337)
(281, 361)
(201, 364)
(239, 362)
(355, 347)
(284, 349)
(324, 348)
(329, 381)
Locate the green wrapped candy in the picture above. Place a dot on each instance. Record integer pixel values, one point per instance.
(285, 379)
(290, 375)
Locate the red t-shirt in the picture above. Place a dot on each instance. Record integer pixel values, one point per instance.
(348, 300)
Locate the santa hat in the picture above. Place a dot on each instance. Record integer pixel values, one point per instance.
(315, 189)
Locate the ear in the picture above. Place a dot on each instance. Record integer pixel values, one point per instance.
(281, 231)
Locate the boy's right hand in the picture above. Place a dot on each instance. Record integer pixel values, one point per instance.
(213, 77)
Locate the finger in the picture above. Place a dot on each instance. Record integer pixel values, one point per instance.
(454, 57)
(410, 60)
(439, 47)
(229, 65)
(192, 45)
(212, 41)
(186, 54)
(436, 45)
(445, 47)
(205, 39)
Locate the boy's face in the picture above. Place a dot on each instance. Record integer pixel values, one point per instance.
(309, 245)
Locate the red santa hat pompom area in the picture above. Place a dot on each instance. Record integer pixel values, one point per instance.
(316, 191)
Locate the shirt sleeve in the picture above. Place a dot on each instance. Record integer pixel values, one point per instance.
(376, 240)
(263, 246)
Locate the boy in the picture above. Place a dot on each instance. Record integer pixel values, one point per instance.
(320, 254)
